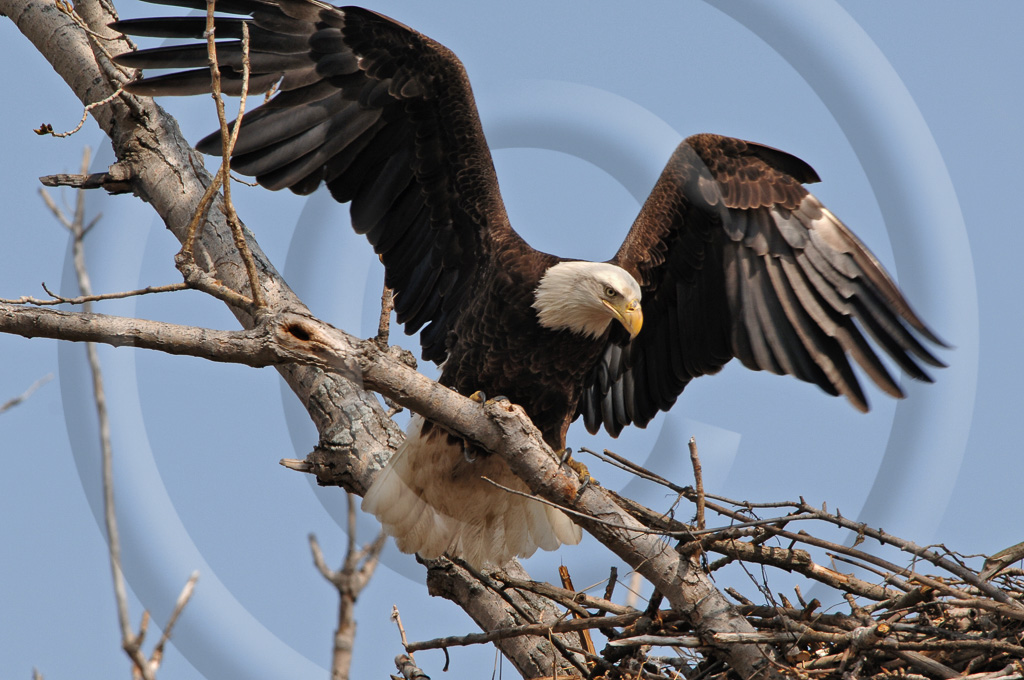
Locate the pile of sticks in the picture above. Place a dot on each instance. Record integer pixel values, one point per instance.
(897, 608)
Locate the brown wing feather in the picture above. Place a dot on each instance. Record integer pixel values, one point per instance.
(381, 114)
(737, 259)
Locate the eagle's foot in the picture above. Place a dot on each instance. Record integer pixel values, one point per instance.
(580, 469)
(565, 458)
(480, 397)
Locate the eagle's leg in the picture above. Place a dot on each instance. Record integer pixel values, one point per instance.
(479, 397)
(564, 456)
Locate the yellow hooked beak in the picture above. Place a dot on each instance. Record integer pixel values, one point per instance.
(629, 314)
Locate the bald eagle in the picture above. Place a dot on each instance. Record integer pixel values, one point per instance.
(729, 257)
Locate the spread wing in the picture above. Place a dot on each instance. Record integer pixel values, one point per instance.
(737, 259)
(381, 114)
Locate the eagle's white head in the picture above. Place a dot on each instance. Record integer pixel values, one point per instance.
(584, 297)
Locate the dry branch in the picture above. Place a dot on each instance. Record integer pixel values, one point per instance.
(14, 401)
(407, 667)
(540, 629)
(350, 580)
(131, 641)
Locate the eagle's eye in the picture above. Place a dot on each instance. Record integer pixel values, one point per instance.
(610, 292)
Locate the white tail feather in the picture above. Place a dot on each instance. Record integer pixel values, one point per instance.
(433, 501)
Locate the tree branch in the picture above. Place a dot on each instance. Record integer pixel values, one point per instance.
(349, 581)
(356, 434)
(14, 401)
(131, 641)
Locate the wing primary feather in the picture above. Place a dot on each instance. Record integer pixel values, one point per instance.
(784, 342)
(749, 322)
(892, 347)
(859, 298)
(197, 81)
(629, 395)
(739, 338)
(872, 269)
(405, 209)
(608, 416)
(833, 286)
(645, 410)
(590, 410)
(829, 332)
(837, 323)
(433, 339)
(180, 27)
(390, 229)
(618, 405)
(279, 125)
(372, 205)
(422, 298)
(227, 6)
(677, 357)
(337, 136)
(229, 54)
(822, 350)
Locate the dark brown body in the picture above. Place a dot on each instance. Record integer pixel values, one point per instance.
(499, 346)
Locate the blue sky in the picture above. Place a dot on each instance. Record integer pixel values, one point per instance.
(908, 111)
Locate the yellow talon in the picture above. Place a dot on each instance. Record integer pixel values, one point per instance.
(565, 455)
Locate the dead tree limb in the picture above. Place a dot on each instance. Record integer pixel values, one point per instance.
(354, 575)
(14, 401)
(131, 641)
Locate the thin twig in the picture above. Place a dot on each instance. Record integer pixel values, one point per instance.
(698, 480)
(47, 129)
(349, 581)
(223, 178)
(586, 641)
(131, 642)
(82, 299)
(179, 606)
(397, 618)
(185, 260)
(11, 403)
(387, 304)
(541, 629)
